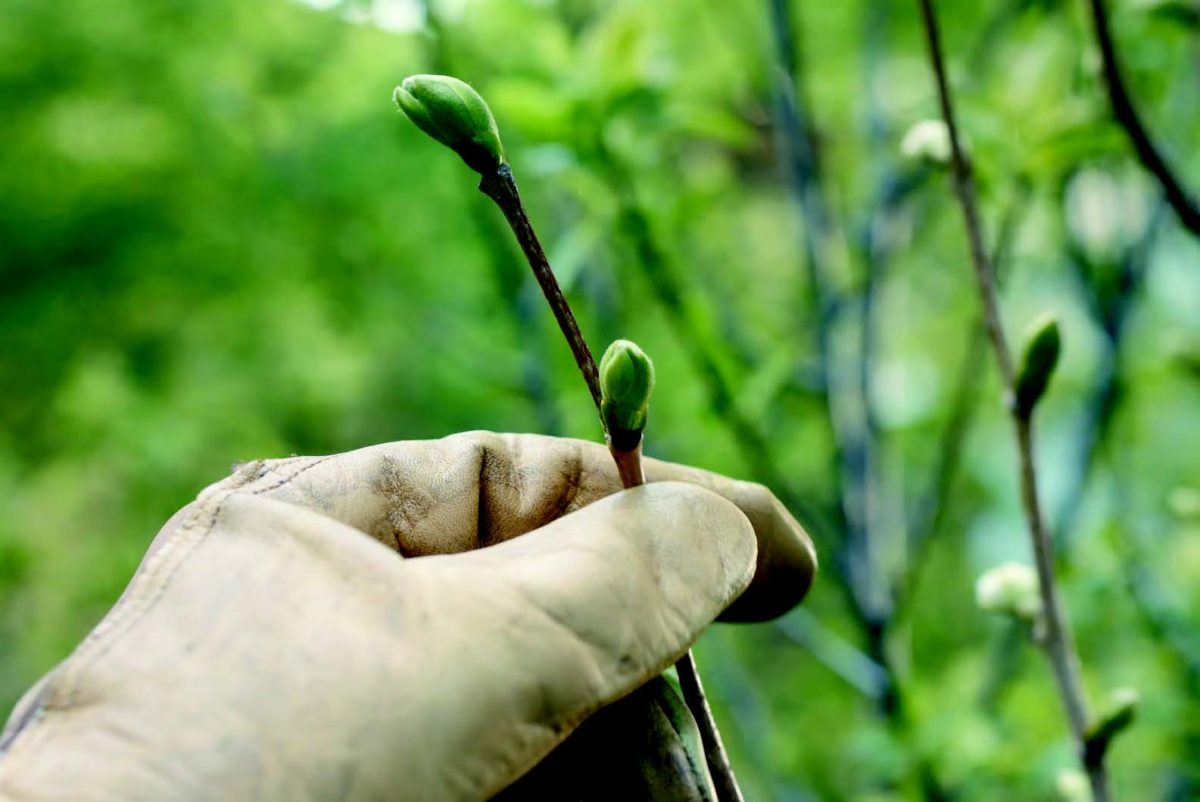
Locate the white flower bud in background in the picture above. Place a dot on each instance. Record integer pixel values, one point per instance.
(1072, 786)
(1106, 212)
(1184, 502)
(928, 141)
(1009, 589)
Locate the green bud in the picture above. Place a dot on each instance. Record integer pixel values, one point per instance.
(454, 114)
(1119, 713)
(626, 382)
(1042, 347)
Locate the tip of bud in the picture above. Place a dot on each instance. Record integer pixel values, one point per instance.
(1043, 344)
(626, 383)
(454, 114)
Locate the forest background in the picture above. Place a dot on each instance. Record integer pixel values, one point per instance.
(220, 241)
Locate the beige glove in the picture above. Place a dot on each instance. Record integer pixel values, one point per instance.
(267, 650)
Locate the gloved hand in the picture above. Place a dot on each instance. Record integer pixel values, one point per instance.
(267, 650)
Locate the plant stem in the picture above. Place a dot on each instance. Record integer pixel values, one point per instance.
(502, 189)
(710, 736)
(1057, 641)
(1127, 117)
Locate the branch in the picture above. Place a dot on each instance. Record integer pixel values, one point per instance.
(1058, 644)
(1112, 310)
(930, 511)
(1127, 117)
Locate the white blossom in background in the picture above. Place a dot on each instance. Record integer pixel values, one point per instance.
(1010, 589)
(927, 140)
(1072, 786)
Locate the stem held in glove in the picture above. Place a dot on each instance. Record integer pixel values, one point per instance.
(454, 114)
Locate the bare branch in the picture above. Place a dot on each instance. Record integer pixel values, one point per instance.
(1127, 117)
(1058, 643)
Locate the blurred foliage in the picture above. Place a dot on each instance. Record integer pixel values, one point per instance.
(219, 241)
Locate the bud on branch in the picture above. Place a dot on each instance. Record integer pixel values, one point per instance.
(626, 382)
(1037, 365)
(454, 114)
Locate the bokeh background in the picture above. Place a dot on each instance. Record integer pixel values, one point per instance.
(220, 241)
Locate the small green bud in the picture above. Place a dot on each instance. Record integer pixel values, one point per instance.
(1042, 347)
(626, 382)
(1118, 715)
(454, 114)
(1010, 589)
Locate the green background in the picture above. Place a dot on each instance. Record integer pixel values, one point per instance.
(220, 241)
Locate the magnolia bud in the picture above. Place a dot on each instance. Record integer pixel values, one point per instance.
(928, 141)
(626, 382)
(454, 114)
(1011, 589)
(1042, 348)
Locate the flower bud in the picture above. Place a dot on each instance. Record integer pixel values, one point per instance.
(626, 382)
(1042, 348)
(454, 114)
(1119, 713)
(1072, 786)
(928, 141)
(1010, 589)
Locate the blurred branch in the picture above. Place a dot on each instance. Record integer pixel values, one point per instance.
(1128, 118)
(930, 512)
(510, 275)
(853, 438)
(799, 144)
(832, 651)
(1057, 637)
(1112, 309)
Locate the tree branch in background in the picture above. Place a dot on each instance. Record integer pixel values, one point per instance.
(1127, 117)
(853, 436)
(930, 510)
(510, 275)
(1111, 308)
(1057, 637)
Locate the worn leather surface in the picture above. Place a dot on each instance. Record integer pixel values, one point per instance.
(274, 646)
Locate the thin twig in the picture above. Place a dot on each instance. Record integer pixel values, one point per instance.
(1127, 117)
(1057, 637)
(1111, 308)
(502, 188)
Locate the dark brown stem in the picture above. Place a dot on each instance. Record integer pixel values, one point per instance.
(1057, 641)
(710, 736)
(500, 187)
(629, 466)
(1128, 118)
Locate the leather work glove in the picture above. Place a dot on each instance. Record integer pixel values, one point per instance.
(273, 646)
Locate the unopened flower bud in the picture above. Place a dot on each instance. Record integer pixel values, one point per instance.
(1010, 589)
(928, 141)
(1042, 347)
(454, 114)
(1072, 786)
(626, 382)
